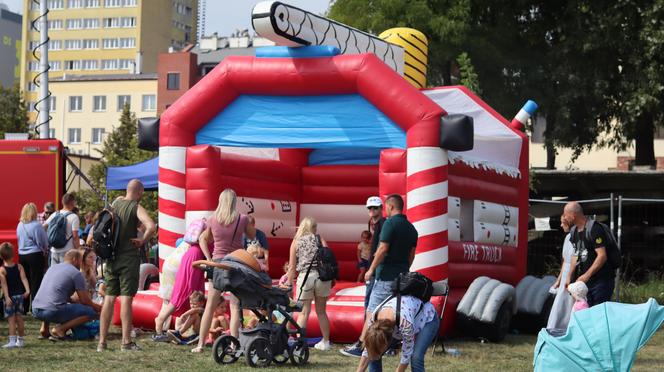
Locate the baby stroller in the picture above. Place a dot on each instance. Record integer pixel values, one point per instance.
(269, 341)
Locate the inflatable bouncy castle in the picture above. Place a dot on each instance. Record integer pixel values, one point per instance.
(311, 131)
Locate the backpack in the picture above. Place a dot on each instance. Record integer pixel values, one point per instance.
(105, 234)
(613, 255)
(57, 230)
(413, 284)
(327, 266)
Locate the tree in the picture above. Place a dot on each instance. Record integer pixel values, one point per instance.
(13, 112)
(120, 148)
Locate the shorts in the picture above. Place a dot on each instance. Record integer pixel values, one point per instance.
(380, 292)
(122, 276)
(64, 313)
(313, 287)
(16, 308)
(363, 264)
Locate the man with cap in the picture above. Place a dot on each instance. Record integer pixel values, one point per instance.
(375, 224)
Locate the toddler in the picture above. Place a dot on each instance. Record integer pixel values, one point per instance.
(220, 321)
(15, 288)
(579, 292)
(189, 322)
(257, 252)
(363, 254)
(283, 281)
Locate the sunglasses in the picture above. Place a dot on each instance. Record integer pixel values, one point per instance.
(373, 208)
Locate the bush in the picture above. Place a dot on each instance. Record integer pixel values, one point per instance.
(636, 293)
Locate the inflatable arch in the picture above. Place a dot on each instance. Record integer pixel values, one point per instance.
(307, 132)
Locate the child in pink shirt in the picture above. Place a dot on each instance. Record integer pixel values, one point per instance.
(579, 292)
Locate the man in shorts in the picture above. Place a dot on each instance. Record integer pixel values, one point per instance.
(51, 304)
(123, 271)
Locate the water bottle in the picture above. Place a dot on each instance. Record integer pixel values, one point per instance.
(452, 351)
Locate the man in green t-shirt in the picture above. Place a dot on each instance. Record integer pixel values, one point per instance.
(395, 253)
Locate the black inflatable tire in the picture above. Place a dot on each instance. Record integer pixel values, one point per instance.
(497, 331)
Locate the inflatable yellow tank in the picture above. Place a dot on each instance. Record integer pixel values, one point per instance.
(416, 48)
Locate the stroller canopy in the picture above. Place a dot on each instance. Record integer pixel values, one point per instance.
(605, 337)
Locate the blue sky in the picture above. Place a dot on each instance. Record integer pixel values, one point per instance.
(225, 16)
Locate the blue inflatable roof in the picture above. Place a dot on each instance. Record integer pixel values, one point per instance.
(147, 171)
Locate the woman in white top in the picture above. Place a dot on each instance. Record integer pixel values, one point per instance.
(417, 328)
(562, 304)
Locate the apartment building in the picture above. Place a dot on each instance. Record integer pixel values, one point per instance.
(85, 108)
(10, 46)
(105, 37)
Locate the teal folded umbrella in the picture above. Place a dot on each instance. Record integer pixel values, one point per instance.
(605, 337)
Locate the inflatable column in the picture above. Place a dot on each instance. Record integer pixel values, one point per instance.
(172, 181)
(521, 118)
(416, 50)
(426, 200)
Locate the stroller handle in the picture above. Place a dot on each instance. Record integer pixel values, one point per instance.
(204, 264)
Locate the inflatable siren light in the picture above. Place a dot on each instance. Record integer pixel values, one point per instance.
(148, 134)
(521, 118)
(456, 132)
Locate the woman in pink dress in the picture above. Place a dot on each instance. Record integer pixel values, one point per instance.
(225, 229)
(187, 280)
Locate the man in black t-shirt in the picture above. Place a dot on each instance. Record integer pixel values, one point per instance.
(590, 257)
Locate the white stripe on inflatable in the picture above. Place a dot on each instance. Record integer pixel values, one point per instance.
(346, 303)
(165, 251)
(431, 258)
(431, 225)
(522, 116)
(173, 158)
(172, 224)
(346, 213)
(426, 194)
(190, 216)
(252, 152)
(494, 213)
(171, 193)
(453, 207)
(290, 26)
(423, 158)
(360, 291)
(341, 232)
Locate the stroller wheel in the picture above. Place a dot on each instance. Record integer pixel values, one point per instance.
(299, 352)
(283, 357)
(226, 350)
(259, 352)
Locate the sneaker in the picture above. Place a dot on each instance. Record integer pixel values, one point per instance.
(354, 350)
(161, 337)
(101, 347)
(174, 336)
(9, 345)
(390, 352)
(323, 345)
(20, 342)
(191, 340)
(130, 347)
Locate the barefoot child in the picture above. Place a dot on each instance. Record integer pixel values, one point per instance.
(220, 321)
(579, 292)
(15, 288)
(363, 254)
(188, 323)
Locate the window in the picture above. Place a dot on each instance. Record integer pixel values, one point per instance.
(129, 2)
(30, 106)
(55, 45)
(72, 65)
(123, 100)
(32, 87)
(92, 3)
(110, 43)
(33, 66)
(73, 44)
(52, 104)
(89, 23)
(128, 22)
(90, 44)
(127, 42)
(113, 3)
(55, 65)
(98, 135)
(75, 4)
(55, 4)
(98, 103)
(74, 135)
(126, 64)
(51, 132)
(149, 102)
(109, 64)
(173, 81)
(55, 24)
(89, 64)
(75, 104)
(74, 24)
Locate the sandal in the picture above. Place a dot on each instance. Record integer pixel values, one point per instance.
(197, 350)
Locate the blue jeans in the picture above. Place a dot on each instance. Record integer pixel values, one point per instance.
(64, 313)
(422, 342)
(380, 292)
(600, 292)
(367, 293)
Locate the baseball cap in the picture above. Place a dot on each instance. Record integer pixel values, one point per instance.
(374, 201)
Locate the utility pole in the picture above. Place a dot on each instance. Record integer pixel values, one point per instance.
(43, 120)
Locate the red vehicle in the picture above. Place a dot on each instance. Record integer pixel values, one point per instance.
(34, 171)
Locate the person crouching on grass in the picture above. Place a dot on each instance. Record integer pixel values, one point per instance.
(16, 289)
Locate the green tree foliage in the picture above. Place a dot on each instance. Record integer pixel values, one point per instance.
(13, 112)
(467, 75)
(120, 148)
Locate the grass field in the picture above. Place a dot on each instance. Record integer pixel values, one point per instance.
(515, 354)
